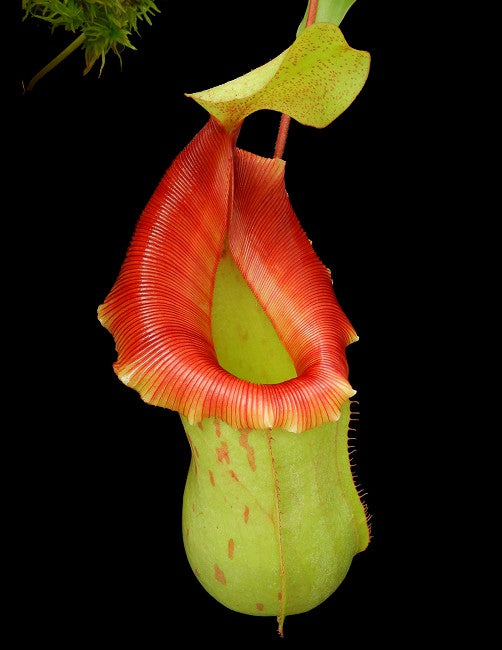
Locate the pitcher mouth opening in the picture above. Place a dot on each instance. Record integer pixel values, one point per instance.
(245, 341)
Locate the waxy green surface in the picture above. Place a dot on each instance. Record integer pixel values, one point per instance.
(271, 519)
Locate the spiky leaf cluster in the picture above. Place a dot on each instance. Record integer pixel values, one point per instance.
(105, 24)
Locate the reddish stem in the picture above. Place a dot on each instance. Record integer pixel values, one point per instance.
(285, 119)
(282, 135)
(312, 12)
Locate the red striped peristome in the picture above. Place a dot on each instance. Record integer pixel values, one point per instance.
(159, 310)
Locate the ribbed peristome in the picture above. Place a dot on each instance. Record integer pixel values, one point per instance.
(159, 310)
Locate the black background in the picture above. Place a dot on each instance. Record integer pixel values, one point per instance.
(98, 474)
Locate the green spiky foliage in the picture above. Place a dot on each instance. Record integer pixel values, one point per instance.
(101, 25)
